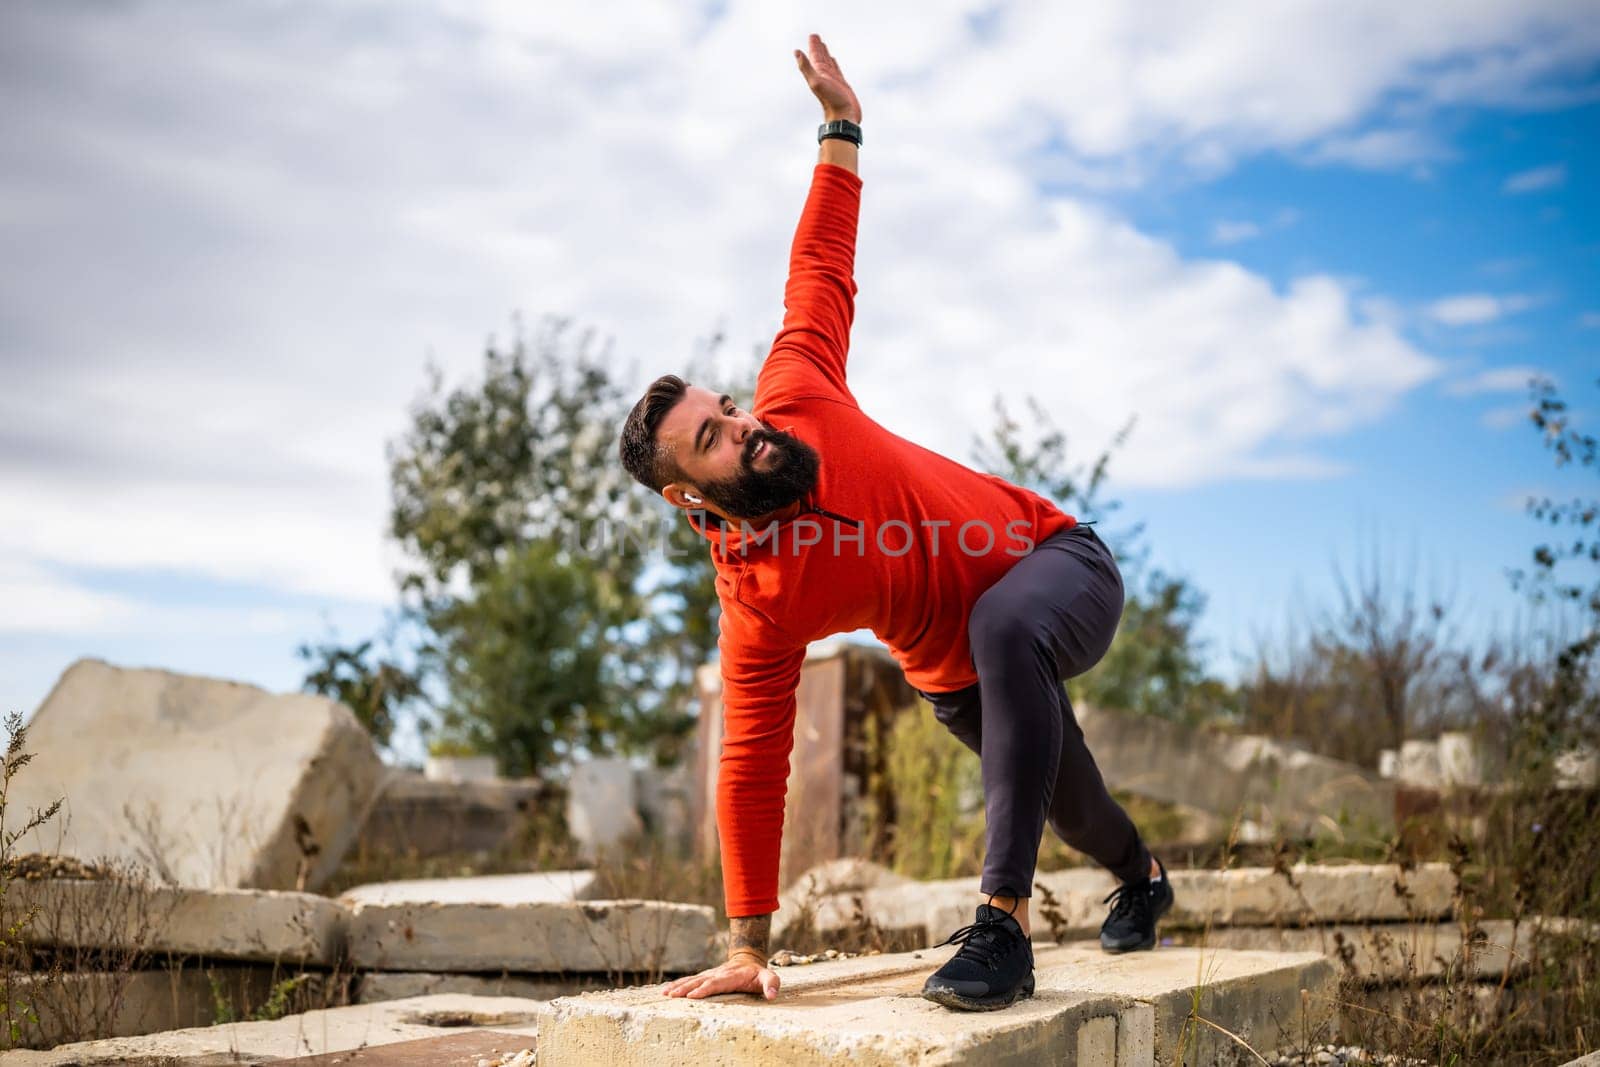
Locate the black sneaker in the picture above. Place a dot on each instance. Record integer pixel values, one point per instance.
(1135, 907)
(993, 969)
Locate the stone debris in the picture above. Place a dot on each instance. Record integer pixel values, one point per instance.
(1263, 779)
(868, 1011)
(551, 937)
(272, 789)
(524, 1058)
(784, 958)
(1342, 1056)
(315, 1033)
(1304, 894)
(232, 924)
(537, 887)
(602, 805)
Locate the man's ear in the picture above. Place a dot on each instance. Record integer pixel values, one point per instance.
(683, 495)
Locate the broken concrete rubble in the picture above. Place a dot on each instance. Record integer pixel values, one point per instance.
(867, 1011)
(234, 924)
(1247, 896)
(313, 1033)
(615, 936)
(272, 789)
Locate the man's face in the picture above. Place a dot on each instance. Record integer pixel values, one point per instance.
(733, 461)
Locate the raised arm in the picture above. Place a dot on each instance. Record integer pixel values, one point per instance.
(808, 355)
(838, 101)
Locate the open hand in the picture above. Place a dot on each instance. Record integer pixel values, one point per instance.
(824, 78)
(735, 976)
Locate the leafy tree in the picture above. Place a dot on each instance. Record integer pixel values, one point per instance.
(561, 608)
(375, 689)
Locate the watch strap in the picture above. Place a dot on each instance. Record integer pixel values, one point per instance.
(843, 129)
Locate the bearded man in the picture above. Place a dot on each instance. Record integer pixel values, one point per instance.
(820, 522)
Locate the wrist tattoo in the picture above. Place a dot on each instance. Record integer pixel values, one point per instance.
(750, 933)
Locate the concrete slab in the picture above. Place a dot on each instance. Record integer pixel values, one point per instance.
(539, 887)
(313, 1033)
(417, 817)
(98, 1005)
(869, 1011)
(924, 912)
(599, 936)
(398, 985)
(1388, 952)
(206, 783)
(1266, 780)
(236, 924)
(476, 1049)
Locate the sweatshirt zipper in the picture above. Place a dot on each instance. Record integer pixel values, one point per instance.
(834, 516)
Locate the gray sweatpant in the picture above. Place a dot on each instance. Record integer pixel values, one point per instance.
(1050, 618)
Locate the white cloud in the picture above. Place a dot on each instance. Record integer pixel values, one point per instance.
(40, 602)
(1589, 320)
(1537, 179)
(1475, 309)
(1228, 232)
(1496, 380)
(232, 235)
(1395, 149)
(1505, 417)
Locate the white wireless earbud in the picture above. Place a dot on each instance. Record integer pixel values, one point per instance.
(692, 498)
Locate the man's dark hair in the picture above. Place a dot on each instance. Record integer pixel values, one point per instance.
(649, 464)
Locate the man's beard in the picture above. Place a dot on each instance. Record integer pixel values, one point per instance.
(753, 493)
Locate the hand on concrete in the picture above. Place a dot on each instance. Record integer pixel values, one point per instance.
(735, 976)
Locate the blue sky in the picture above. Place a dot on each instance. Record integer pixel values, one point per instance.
(1314, 249)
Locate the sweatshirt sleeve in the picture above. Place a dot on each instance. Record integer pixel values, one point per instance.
(760, 673)
(808, 355)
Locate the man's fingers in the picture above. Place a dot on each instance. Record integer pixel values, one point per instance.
(712, 986)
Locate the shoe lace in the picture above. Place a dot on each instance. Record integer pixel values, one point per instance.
(1130, 898)
(982, 941)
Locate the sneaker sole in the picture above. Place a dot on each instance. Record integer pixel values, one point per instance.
(951, 999)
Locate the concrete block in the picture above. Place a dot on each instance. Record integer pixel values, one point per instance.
(236, 924)
(602, 808)
(601, 936)
(415, 816)
(541, 887)
(1312, 893)
(1136, 1036)
(89, 1005)
(1256, 995)
(399, 985)
(868, 1011)
(460, 769)
(1578, 768)
(1390, 952)
(1419, 764)
(206, 783)
(1460, 762)
(1245, 896)
(1097, 1042)
(313, 1033)
(1266, 780)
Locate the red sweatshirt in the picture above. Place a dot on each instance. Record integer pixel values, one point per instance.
(894, 538)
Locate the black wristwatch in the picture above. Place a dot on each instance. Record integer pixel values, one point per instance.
(843, 129)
